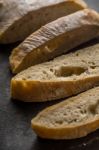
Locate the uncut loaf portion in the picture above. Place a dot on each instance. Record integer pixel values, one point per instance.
(55, 38)
(19, 18)
(73, 118)
(65, 76)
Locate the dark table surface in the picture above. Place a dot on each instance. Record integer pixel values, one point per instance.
(15, 117)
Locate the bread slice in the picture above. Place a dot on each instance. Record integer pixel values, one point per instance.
(74, 118)
(65, 76)
(19, 18)
(55, 38)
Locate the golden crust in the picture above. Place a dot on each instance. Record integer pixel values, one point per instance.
(40, 91)
(55, 38)
(69, 131)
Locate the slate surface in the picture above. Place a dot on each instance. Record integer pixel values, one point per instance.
(15, 117)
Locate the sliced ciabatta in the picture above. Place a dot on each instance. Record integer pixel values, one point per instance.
(74, 118)
(65, 76)
(19, 18)
(55, 38)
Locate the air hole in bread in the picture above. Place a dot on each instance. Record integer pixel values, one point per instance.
(69, 71)
(59, 121)
(90, 62)
(44, 72)
(83, 111)
(65, 114)
(23, 78)
(75, 120)
(92, 67)
(77, 54)
(93, 108)
(83, 61)
(51, 69)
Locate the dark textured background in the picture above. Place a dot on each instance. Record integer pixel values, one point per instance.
(15, 117)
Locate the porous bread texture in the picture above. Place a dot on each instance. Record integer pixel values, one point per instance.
(65, 76)
(73, 118)
(65, 66)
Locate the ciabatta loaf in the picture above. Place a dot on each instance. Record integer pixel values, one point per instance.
(55, 38)
(19, 18)
(74, 118)
(65, 76)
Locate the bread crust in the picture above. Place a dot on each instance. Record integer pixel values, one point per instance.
(58, 78)
(69, 131)
(41, 91)
(55, 38)
(20, 18)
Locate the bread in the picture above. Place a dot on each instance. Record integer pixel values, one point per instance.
(74, 118)
(19, 18)
(55, 38)
(65, 76)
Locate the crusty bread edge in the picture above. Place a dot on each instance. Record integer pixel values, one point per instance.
(68, 131)
(71, 132)
(41, 91)
(81, 4)
(15, 65)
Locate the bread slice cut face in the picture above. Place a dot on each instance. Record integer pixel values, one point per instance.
(73, 118)
(65, 76)
(55, 39)
(19, 18)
